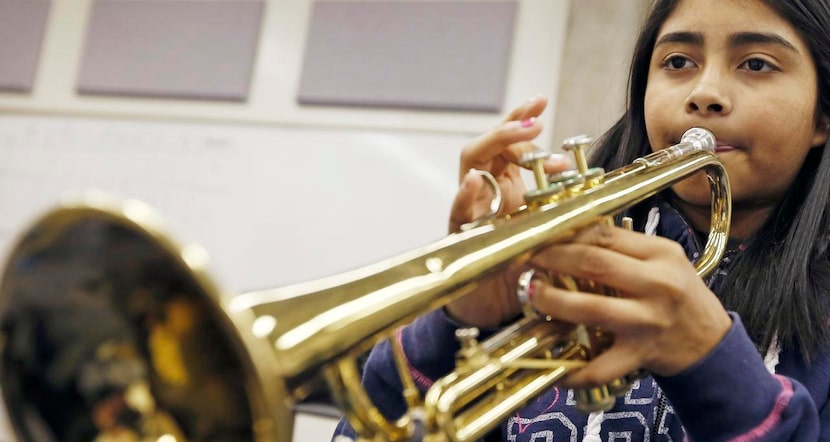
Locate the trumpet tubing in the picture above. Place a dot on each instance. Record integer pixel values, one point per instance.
(98, 307)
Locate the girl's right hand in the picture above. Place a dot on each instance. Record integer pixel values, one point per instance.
(499, 152)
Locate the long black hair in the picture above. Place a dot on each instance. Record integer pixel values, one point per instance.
(778, 285)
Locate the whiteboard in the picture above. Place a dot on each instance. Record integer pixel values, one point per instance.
(271, 205)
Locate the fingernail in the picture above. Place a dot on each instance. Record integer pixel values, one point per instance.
(531, 290)
(523, 124)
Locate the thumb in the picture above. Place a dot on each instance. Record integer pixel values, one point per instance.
(464, 207)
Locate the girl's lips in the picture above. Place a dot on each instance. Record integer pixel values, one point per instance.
(724, 146)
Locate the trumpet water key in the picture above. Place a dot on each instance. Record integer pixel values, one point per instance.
(107, 325)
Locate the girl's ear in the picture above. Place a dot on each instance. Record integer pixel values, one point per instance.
(822, 131)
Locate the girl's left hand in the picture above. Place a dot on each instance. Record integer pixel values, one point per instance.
(665, 318)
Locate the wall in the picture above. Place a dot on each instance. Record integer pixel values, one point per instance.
(278, 192)
(595, 61)
(266, 164)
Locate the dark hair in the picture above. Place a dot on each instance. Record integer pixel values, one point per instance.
(788, 299)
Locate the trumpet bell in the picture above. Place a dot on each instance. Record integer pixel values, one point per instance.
(108, 328)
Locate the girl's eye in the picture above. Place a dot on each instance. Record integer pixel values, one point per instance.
(676, 62)
(757, 65)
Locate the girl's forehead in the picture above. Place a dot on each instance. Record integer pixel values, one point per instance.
(725, 17)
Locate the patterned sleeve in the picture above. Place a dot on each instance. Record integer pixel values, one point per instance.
(429, 345)
(730, 395)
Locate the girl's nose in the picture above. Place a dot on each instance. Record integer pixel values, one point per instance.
(708, 97)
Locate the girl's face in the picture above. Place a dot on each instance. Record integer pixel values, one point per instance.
(738, 69)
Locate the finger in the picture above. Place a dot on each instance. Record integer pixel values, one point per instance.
(557, 163)
(623, 242)
(609, 366)
(530, 108)
(625, 260)
(627, 242)
(464, 205)
(602, 311)
(520, 125)
(501, 141)
(515, 151)
(603, 266)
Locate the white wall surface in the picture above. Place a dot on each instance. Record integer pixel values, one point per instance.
(537, 49)
(257, 168)
(275, 192)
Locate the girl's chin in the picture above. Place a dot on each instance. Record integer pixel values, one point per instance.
(701, 202)
(694, 191)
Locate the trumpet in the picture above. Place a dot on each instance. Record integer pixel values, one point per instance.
(107, 324)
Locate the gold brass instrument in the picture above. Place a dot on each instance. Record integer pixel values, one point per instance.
(108, 326)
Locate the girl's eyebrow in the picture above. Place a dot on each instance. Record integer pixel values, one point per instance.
(747, 38)
(694, 38)
(735, 40)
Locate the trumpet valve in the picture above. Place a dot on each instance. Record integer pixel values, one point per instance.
(545, 191)
(594, 399)
(622, 386)
(577, 146)
(470, 352)
(468, 337)
(619, 387)
(571, 180)
(535, 162)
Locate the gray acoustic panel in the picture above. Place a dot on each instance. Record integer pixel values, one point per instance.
(450, 55)
(202, 49)
(22, 24)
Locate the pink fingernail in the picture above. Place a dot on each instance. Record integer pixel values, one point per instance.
(531, 290)
(528, 122)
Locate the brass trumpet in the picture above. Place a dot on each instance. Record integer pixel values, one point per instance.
(107, 325)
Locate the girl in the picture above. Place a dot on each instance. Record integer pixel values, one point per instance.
(743, 355)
